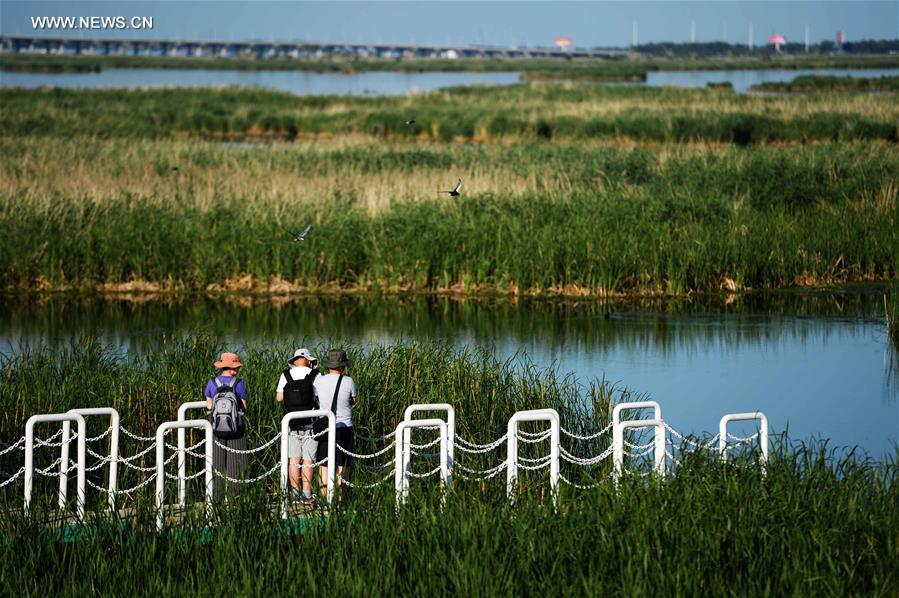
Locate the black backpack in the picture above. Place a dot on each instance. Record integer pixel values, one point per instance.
(299, 396)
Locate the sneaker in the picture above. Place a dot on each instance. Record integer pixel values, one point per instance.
(309, 501)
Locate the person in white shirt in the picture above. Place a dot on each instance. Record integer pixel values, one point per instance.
(296, 392)
(337, 392)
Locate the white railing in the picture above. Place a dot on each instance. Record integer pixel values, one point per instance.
(182, 448)
(402, 446)
(160, 464)
(113, 459)
(411, 410)
(285, 453)
(733, 417)
(403, 456)
(82, 455)
(534, 415)
(658, 444)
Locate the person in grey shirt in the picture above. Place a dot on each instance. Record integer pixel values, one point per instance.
(326, 385)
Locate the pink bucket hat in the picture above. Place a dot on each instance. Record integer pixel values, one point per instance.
(228, 361)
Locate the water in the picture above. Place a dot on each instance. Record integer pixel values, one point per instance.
(296, 82)
(743, 80)
(377, 83)
(818, 364)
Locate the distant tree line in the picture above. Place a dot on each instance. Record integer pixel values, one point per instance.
(710, 49)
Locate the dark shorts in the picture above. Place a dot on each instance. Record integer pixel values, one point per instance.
(344, 439)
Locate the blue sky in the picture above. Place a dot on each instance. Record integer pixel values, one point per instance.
(498, 23)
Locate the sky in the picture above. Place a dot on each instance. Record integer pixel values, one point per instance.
(501, 23)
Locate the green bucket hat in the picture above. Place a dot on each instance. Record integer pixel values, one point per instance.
(336, 359)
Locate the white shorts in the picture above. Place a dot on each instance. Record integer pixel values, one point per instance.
(301, 444)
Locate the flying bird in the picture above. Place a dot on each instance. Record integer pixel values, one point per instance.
(410, 122)
(301, 236)
(455, 190)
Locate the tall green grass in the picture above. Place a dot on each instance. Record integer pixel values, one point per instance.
(525, 111)
(817, 521)
(665, 242)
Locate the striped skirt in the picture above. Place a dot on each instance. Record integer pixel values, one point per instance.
(228, 463)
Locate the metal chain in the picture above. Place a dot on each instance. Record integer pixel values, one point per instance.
(478, 449)
(424, 446)
(742, 439)
(46, 472)
(590, 437)
(541, 435)
(138, 487)
(487, 474)
(587, 461)
(364, 456)
(538, 466)
(424, 475)
(60, 443)
(250, 480)
(136, 437)
(101, 436)
(13, 478)
(696, 445)
(535, 440)
(128, 460)
(641, 453)
(637, 446)
(252, 450)
(367, 486)
(13, 447)
(377, 467)
(374, 438)
(580, 486)
(173, 447)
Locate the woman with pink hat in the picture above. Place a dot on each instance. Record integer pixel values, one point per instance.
(226, 404)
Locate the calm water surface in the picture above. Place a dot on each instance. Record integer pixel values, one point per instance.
(377, 83)
(819, 365)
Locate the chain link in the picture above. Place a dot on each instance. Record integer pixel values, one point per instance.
(424, 475)
(12, 447)
(246, 480)
(136, 437)
(590, 437)
(487, 473)
(535, 439)
(742, 439)
(138, 487)
(587, 461)
(367, 486)
(252, 450)
(101, 436)
(478, 449)
(580, 486)
(15, 477)
(364, 456)
(535, 467)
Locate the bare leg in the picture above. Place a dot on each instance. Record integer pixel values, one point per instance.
(294, 471)
(308, 472)
(323, 480)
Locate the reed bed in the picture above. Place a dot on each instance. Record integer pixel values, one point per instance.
(818, 520)
(815, 83)
(477, 113)
(100, 190)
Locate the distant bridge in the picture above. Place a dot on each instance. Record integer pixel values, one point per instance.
(61, 45)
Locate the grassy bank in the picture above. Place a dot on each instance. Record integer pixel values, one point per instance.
(567, 112)
(568, 189)
(815, 523)
(610, 69)
(816, 83)
(536, 218)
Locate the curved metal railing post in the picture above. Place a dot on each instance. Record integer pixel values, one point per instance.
(160, 464)
(411, 410)
(82, 454)
(285, 453)
(182, 449)
(733, 417)
(403, 457)
(113, 453)
(618, 444)
(550, 415)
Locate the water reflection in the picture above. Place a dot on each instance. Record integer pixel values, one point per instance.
(819, 363)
